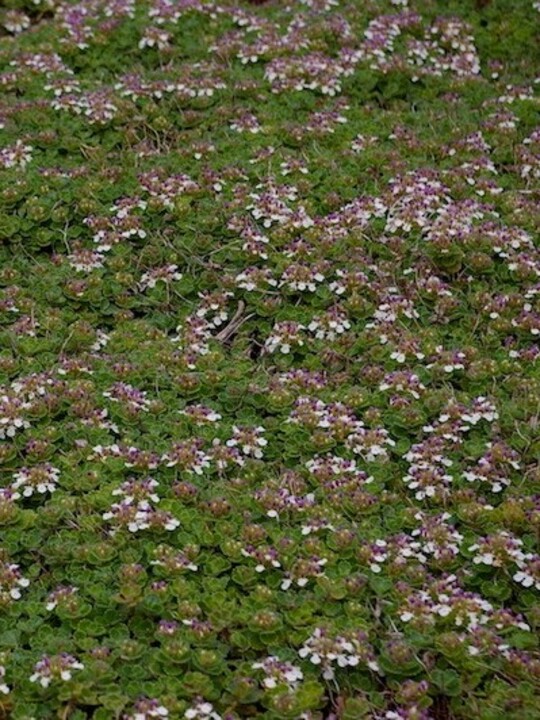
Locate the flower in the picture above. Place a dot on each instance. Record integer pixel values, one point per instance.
(4, 689)
(55, 667)
(18, 155)
(12, 418)
(39, 478)
(146, 708)
(285, 335)
(278, 672)
(325, 649)
(249, 440)
(11, 581)
(202, 710)
(60, 595)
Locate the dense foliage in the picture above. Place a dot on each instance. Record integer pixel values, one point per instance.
(269, 339)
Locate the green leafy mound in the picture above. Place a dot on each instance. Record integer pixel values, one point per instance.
(269, 340)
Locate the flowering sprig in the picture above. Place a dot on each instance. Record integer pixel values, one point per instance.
(60, 596)
(135, 511)
(12, 416)
(328, 651)
(145, 708)
(37, 479)
(278, 673)
(11, 582)
(249, 440)
(202, 710)
(55, 667)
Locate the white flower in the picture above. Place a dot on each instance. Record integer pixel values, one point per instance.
(40, 478)
(55, 667)
(202, 711)
(524, 579)
(4, 689)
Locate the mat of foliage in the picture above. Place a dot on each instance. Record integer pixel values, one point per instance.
(269, 332)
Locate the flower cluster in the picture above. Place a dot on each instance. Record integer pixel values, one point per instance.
(504, 550)
(60, 596)
(202, 710)
(135, 511)
(37, 479)
(55, 667)
(278, 673)
(19, 155)
(249, 440)
(328, 650)
(447, 601)
(146, 708)
(11, 582)
(284, 337)
(12, 416)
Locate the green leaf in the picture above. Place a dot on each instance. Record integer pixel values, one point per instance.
(446, 681)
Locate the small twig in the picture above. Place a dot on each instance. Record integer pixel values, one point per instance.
(231, 327)
(239, 324)
(67, 710)
(64, 344)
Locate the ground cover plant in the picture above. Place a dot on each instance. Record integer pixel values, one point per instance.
(269, 391)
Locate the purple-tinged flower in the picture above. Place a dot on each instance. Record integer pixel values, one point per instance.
(12, 417)
(249, 440)
(18, 155)
(56, 667)
(370, 443)
(11, 582)
(265, 556)
(174, 560)
(165, 274)
(146, 708)
(285, 336)
(60, 596)
(202, 710)
(155, 37)
(39, 478)
(279, 673)
(247, 122)
(187, 456)
(344, 651)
